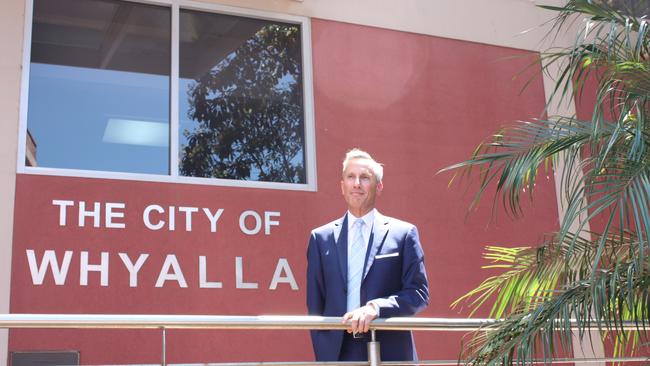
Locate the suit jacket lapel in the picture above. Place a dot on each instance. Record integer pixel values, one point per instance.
(379, 231)
(342, 248)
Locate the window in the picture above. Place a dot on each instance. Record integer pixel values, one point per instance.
(105, 80)
(241, 98)
(99, 85)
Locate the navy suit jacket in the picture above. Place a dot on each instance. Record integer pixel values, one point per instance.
(394, 277)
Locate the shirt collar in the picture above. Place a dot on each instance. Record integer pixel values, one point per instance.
(368, 219)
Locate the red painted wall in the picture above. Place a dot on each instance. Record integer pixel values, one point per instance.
(417, 103)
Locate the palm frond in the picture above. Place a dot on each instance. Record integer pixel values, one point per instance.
(513, 157)
(609, 300)
(600, 279)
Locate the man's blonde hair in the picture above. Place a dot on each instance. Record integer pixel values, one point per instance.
(376, 167)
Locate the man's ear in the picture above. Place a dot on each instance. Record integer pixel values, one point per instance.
(380, 187)
(342, 190)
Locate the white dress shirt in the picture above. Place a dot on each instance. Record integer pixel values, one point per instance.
(368, 220)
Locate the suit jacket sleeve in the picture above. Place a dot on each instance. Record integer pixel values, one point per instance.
(325, 349)
(315, 281)
(414, 294)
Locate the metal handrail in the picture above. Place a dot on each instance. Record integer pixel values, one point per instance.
(164, 322)
(147, 321)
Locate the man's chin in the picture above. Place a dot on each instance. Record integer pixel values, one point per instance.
(356, 204)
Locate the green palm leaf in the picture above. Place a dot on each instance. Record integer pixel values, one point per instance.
(600, 279)
(538, 320)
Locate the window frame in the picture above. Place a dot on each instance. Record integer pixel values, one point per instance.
(173, 176)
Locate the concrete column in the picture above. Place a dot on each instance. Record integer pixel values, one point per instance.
(591, 346)
(12, 15)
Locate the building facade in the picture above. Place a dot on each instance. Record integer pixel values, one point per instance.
(172, 156)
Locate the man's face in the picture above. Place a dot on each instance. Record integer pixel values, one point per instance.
(359, 187)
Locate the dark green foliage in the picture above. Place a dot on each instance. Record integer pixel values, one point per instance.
(580, 278)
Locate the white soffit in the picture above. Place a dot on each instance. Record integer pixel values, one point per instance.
(508, 23)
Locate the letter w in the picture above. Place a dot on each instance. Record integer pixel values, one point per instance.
(49, 260)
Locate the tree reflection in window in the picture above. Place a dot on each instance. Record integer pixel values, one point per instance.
(248, 112)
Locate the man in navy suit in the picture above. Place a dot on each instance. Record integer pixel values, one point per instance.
(363, 266)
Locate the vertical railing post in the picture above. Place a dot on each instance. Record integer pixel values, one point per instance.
(164, 347)
(374, 356)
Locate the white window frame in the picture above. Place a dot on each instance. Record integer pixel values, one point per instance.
(174, 177)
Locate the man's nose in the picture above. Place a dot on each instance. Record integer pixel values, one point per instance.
(357, 181)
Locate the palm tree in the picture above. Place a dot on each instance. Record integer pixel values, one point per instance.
(599, 278)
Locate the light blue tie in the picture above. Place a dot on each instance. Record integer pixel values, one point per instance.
(356, 257)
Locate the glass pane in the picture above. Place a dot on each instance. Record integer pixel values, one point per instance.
(99, 86)
(241, 99)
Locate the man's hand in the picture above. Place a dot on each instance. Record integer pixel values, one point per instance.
(359, 319)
